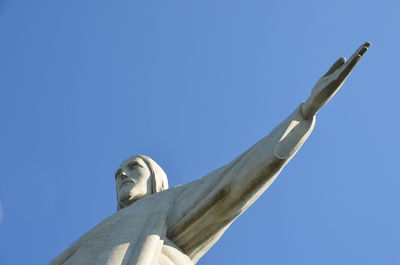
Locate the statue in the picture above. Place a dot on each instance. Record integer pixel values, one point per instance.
(157, 225)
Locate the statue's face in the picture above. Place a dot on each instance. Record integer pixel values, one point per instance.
(133, 181)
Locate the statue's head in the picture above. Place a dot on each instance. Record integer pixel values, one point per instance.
(137, 177)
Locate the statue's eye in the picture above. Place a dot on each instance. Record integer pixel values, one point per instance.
(134, 165)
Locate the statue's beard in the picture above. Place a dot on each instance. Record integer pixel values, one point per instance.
(128, 196)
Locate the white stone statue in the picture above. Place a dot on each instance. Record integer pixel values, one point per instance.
(156, 225)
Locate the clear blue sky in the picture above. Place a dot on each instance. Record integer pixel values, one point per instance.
(86, 84)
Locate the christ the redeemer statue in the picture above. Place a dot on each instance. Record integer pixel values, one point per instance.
(155, 225)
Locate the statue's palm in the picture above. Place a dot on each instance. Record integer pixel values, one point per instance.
(329, 84)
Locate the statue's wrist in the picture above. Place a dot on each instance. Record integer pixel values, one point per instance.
(307, 111)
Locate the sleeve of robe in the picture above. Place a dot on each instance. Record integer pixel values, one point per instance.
(205, 208)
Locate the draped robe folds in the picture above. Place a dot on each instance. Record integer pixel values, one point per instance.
(177, 226)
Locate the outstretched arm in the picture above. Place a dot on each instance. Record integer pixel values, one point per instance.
(205, 208)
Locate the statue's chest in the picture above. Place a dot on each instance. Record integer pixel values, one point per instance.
(135, 235)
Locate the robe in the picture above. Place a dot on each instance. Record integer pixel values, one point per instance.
(178, 226)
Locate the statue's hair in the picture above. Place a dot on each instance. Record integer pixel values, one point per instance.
(159, 180)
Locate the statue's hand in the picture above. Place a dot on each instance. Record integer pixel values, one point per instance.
(329, 84)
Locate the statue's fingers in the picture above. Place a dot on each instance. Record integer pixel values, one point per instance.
(348, 68)
(367, 44)
(352, 62)
(361, 50)
(336, 65)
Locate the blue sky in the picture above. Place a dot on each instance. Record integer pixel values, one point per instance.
(192, 84)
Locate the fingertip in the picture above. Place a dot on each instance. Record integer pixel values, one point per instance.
(362, 50)
(355, 60)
